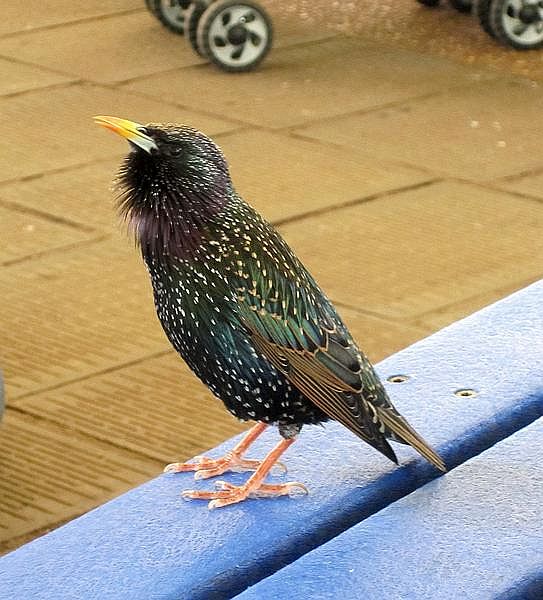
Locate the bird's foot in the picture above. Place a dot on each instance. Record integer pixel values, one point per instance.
(211, 467)
(231, 494)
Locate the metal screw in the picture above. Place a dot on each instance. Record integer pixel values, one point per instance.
(466, 393)
(398, 378)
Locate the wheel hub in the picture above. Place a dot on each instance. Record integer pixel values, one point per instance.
(237, 35)
(529, 14)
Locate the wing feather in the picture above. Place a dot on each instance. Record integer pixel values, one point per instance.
(297, 329)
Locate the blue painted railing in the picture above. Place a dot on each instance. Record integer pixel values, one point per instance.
(150, 544)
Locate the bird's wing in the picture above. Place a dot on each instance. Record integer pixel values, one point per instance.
(297, 330)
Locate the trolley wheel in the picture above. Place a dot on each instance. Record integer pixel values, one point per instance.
(482, 11)
(150, 5)
(171, 13)
(518, 23)
(463, 6)
(236, 35)
(192, 18)
(430, 3)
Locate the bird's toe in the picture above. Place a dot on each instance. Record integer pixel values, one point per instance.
(292, 489)
(226, 493)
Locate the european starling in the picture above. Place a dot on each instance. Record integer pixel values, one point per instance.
(242, 310)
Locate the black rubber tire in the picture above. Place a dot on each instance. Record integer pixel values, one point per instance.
(501, 34)
(206, 22)
(177, 25)
(192, 18)
(463, 6)
(151, 7)
(482, 12)
(429, 3)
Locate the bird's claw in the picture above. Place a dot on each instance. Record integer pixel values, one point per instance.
(228, 493)
(292, 489)
(205, 467)
(279, 468)
(198, 463)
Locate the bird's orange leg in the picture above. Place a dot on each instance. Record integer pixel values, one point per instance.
(253, 488)
(231, 461)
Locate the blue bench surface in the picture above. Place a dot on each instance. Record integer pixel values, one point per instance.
(476, 534)
(150, 544)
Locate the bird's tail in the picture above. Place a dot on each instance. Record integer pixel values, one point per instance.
(403, 432)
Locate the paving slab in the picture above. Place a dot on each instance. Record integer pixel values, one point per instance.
(25, 235)
(435, 132)
(16, 77)
(49, 474)
(378, 337)
(120, 47)
(84, 194)
(310, 82)
(53, 129)
(157, 407)
(72, 314)
(421, 249)
(531, 185)
(446, 315)
(295, 31)
(276, 173)
(109, 49)
(405, 24)
(32, 14)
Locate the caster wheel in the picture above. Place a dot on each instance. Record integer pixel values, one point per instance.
(518, 23)
(171, 13)
(235, 35)
(430, 3)
(482, 11)
(463, 6)
(194, 13)
(150, 5)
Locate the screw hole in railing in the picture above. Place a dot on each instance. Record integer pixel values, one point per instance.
(466, 393)
(398, 378)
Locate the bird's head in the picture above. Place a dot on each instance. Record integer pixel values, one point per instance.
(172, 181)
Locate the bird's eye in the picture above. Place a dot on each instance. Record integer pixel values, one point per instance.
(176, 150)
(142, 130)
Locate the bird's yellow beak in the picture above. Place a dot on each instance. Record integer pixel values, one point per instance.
(133, 132)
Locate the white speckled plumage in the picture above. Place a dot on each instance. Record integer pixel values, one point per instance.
(238, 305)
